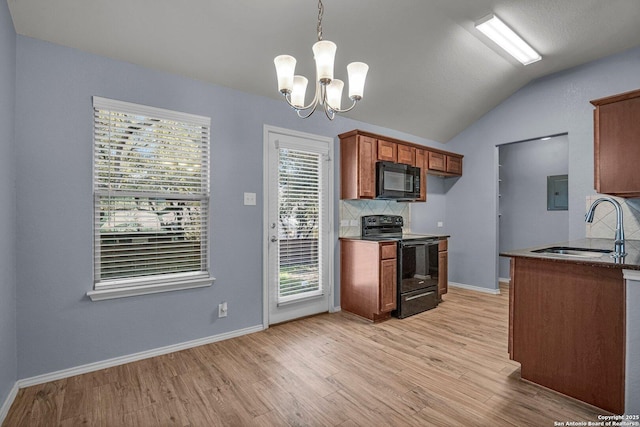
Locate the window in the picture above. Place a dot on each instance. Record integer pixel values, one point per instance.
(300, 222)
(151, 200)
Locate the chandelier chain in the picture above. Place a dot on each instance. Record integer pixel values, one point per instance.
(320, 13)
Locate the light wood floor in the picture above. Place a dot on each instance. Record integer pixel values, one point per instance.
(445, 367)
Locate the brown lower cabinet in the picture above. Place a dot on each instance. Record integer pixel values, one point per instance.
(567, 329)
(443, 268)
(368, 271)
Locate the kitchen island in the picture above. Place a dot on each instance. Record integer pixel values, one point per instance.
(573, 324)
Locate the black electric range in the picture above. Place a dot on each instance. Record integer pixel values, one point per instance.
(417, 263)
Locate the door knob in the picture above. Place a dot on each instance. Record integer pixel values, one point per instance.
(274, 239)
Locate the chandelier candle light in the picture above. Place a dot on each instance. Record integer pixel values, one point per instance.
(328, 90)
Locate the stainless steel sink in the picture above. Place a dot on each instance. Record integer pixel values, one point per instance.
(565, 251)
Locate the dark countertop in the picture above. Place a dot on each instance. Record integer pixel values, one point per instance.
(631, 261)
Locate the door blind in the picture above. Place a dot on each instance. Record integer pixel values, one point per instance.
(300, 223)
(151, 192)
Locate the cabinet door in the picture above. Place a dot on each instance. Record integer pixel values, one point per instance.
(421, 162)
(437, 162)
(406, 155)
(454, 165)
(387, 284)
(617, 132)
(366, 167)
(443, 274)
(387, 151)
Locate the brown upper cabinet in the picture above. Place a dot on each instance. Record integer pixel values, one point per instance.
(360, 150)
(407, 155)
(616, 122)
(421, 162)
(387, 151)
(445, 164)
(437, 162)
(357, 167)
(454, 165)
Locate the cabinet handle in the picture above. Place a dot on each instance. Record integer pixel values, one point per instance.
(426, 294)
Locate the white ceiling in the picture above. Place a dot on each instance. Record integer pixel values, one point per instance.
(431, 72)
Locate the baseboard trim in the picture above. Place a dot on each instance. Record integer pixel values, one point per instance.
(109, 363)
(475, 288)
(4, 409)
(506, 280)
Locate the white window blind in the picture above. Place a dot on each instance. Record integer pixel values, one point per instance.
(300, 222)
(151, 194)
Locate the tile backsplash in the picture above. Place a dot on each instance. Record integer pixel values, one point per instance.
(604, 220)
(352, 210)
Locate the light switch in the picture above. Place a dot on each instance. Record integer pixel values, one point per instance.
(249, 199)
(440, 224)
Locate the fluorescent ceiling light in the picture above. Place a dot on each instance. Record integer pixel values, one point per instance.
(503, 36)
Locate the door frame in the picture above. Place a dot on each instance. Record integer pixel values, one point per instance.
(270, 130)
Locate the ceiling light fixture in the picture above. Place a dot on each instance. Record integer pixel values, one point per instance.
(328, 90)
(503, 36)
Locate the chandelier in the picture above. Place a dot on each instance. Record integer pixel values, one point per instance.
(328, 90)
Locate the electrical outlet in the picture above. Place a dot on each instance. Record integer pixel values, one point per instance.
(222, 309)
(440, 224)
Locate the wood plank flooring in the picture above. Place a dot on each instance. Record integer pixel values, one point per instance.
(444, 367)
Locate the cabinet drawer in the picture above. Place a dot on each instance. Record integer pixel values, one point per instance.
(437, 161)
(387, 250)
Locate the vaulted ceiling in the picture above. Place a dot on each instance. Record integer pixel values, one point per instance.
(431, 72)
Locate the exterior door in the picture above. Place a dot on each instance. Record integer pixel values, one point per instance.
(298, 237)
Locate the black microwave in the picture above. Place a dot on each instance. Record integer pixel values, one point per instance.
(397, 181)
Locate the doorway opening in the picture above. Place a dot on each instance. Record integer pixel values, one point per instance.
(530, 213)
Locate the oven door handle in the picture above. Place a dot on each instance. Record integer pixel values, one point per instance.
(418, 244)
(426, 294)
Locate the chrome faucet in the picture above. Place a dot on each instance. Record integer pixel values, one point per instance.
(619, 238)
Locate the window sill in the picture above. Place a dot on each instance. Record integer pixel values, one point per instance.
(131, 291)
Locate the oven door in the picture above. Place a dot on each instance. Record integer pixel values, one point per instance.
(418, 265)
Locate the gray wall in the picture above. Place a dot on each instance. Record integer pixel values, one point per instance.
(58, 327)
(8, 350)
(556, 104)
(525, 220)
(425, 216)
